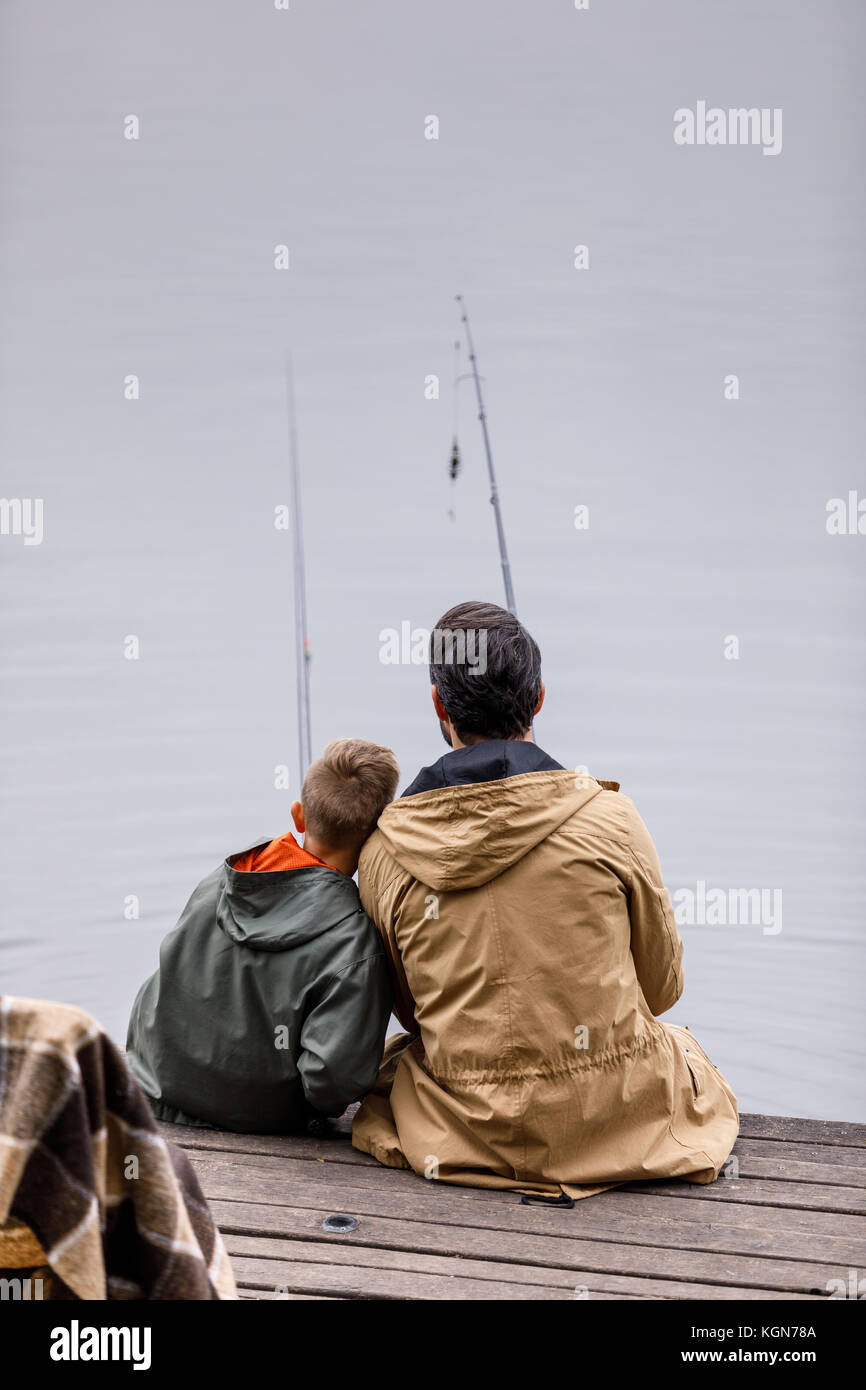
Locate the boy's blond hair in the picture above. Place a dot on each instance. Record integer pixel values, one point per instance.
(347, 789)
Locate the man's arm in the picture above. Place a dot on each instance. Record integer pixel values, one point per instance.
(343, 1035)
(655, 942)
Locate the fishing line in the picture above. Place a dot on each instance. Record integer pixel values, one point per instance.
(454, 461)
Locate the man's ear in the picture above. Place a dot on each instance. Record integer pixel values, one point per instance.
(439, 707)
(540, 698)
(298, 817)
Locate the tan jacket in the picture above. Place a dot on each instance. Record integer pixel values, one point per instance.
(533, 944)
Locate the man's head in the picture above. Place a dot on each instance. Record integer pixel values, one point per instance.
(343, 796)
(485, 670)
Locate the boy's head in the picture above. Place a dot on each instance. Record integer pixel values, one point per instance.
(344, 793)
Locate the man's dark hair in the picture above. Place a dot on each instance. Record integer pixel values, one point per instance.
(490, 698)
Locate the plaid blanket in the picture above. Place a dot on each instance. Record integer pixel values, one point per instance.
(114, 1208)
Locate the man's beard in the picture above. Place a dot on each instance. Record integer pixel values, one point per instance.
(445, 734)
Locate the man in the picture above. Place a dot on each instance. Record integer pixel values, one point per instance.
(532, 945)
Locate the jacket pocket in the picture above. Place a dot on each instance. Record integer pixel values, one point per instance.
(697, 1080)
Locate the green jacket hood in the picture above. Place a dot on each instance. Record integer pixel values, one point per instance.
(281, 910)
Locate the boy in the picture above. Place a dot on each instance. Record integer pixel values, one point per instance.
(272, 997)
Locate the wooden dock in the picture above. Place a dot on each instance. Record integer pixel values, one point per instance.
(793, 1220)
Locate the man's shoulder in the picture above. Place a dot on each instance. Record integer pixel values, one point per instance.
(375, 857)
(609, 812)
(378, 872)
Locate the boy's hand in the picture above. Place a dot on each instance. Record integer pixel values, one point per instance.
(319, 1127)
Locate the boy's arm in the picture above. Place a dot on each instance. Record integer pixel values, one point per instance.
(655, 942)
(343, 1035)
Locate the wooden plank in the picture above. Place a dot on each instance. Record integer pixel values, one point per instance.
(533, 1248)
(794, 1170)
(266, 1170)
(335, 1252)
(337, 1149)
(348, 1281)
(414, 1198)
(770, 1128)
(831, 1155)
(250, 1294)
(830, 1164)
(631, 1203)
(782, 1128)
(579, 1251)
(340, 1250)
(767, 1164)
(771, 1193)
(803, 1131)
(778, 1132)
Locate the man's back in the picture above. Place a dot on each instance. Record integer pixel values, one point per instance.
(532, 943)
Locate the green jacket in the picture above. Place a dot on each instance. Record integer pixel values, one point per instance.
(270, 1004)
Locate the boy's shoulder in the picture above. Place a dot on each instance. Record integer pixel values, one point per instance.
(277, 911)
(344, 934)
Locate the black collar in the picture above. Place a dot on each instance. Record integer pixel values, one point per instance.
(489, 761)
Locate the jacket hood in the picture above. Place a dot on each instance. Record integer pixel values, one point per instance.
(462, 836)
(277, 911)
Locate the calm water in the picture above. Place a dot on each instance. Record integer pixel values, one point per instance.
(707, 517)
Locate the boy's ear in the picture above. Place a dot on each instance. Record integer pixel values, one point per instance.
(298, 817)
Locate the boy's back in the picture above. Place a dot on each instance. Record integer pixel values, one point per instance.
(271, 1000)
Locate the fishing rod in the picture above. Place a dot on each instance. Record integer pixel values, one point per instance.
(494, 492)
(303, 653)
